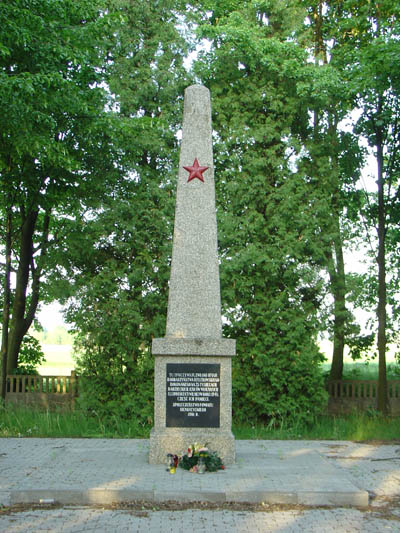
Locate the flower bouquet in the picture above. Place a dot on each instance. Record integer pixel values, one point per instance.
(198, 455)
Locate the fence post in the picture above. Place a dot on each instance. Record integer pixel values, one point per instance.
(73, 388)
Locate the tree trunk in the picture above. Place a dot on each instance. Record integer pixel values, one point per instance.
(6, 307)
(336, 266)
(338, 288)
(19, 324)
(381, 312)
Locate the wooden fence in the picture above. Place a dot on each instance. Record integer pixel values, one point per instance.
(49, 392)
(349, 395)
(52, 392)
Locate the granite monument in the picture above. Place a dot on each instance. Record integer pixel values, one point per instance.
(193, 377)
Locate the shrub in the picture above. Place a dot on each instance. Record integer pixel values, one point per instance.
(278, 380)
(113, 389)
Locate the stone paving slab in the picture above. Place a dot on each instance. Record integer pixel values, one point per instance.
(26, 463)
(100, 471)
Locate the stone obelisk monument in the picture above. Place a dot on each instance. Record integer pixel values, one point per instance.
(193, 383)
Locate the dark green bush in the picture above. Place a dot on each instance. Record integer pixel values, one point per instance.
(113, 391)
(278, 380)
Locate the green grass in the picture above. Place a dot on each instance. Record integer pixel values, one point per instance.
(354, 427)
(24, 422)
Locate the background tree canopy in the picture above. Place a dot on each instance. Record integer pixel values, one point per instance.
(88, 155)
(57, 152)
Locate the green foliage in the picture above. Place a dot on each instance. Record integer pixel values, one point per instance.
(59, 150)
(116, 387)
(118, 264)
(282, 385)
(119, 305)
(366, 36)
(88, 154)
(30, 356)
(360, 345)
(272, 292)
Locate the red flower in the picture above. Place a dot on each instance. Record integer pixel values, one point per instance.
(222, 467)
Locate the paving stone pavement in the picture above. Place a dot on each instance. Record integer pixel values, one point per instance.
(26, 463)
(74, 520)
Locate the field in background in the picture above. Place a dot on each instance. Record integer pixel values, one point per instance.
(361, 369)
(59, 360)
(56, 343)
(326, 348)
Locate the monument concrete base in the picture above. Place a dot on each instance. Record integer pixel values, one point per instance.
(177, 441)
(193, 403)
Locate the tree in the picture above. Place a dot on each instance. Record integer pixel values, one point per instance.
(328, 159)
(367, 41)
(270, 287)
(332, 161)
(56, 141)
(118, 286)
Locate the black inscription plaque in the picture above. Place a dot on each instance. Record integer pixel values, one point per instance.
(193, 391)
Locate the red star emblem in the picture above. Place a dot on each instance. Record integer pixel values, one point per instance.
(195, 171)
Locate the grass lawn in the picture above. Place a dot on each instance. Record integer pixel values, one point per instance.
(354, 427)
(19, 422)
(23, 422)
